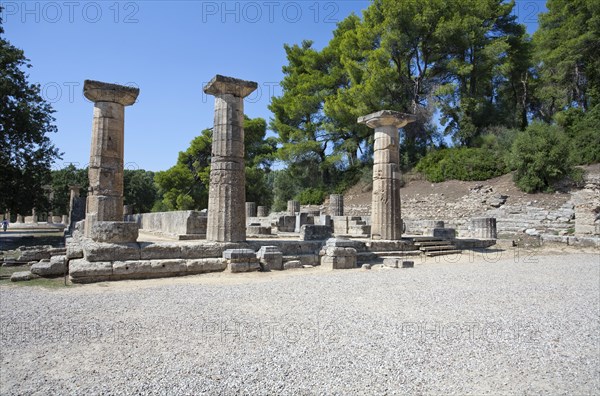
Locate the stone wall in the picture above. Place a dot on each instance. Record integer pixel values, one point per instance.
(185, 224)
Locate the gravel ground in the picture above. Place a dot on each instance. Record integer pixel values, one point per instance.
(501, 325)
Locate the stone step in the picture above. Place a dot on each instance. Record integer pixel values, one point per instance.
(442, 253)
(426, 239)
(437, 248)
(399, 253)
(433, 243)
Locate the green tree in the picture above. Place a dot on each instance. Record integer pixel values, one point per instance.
(62, 179)
(540, 157)
(139, 190)
(567, 56)
(485, 69)
(185, 186)
(26, 152)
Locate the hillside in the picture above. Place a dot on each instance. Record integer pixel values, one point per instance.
(457, 201)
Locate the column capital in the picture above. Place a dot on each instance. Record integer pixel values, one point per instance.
(221, 85)
(385, 118)
(98, 91)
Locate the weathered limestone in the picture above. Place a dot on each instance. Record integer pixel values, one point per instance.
(56, 266)
(386, 220)
(336, 205)
(301, 219)
(227, 192)
(338, 254)
(270, 258)
(105, 195)
(293, 208)
(250, 209)
(242, 260)
(180, 224)
(312, 232)
(262, 211)
(483, 227)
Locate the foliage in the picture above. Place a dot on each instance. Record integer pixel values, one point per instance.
(62, 179)
(139, 190)
(540, 157)
(567, 55)
(461, 163)
(583, 130)
(185, 185)
(26, 119)
(311, 196)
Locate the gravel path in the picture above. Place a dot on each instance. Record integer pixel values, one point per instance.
(502, 326)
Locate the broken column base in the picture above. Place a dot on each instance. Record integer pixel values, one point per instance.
(114, 231)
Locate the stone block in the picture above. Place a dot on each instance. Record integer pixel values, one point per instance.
(74, 249)
(33, 253)
(286, 224)
(340, 242)
(315, 232)
(114, 231)
(206, 265)
(21, 276)
(247, 265)
(149, 251)
(444, 233)
(83, 271)
(96, 251)
(206, 249)
(294, 264)
(239, 254)
(56, 266)
(149, 267)
(392, 262)
(270, 258)
(408, 264)
(258, 230)
(301, 219)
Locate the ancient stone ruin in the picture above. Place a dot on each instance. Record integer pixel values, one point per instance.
(233, 234)
(104, 216)
(386, 219)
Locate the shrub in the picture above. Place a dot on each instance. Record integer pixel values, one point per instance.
(461, 163)
(311, 196)
(540, 156)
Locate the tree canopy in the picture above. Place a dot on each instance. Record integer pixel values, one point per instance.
(26, 152)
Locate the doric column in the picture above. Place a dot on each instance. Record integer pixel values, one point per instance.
(336, 205)
(262, 211)
(105, 195)
(250, 209)
(386, 219)
(227, 192)
(293, 208)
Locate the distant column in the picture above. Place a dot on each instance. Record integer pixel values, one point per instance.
(227, 192)
(105, 195)
(293, 208)
(336, 205)
(262, 211)
(386, 219)
(484, 227)
(250, 209)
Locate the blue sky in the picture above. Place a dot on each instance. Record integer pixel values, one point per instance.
(169, 50)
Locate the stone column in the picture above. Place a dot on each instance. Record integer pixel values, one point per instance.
(250, 209)
(484, 227)
(293, 208)
(34, 216)
(386, 220)
(19, 219)
(105, 194)
(262, 211)
(227, 192)
(336, 205)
